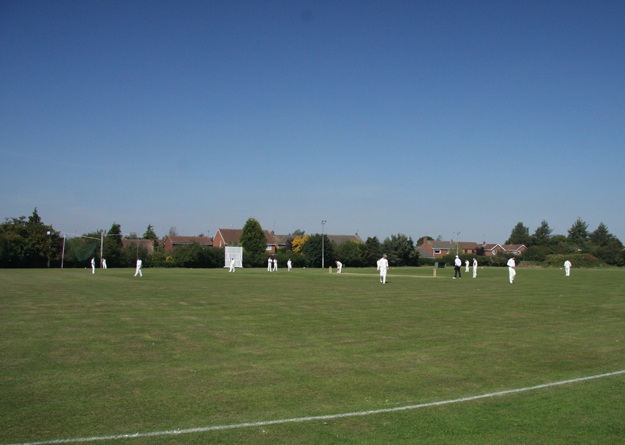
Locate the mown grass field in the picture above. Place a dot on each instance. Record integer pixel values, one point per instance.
(104, 355)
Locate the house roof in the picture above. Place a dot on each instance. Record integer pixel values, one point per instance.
(490, 246)
(423, 252)
(147, 244)
(512, 247)
(282, 240)
(469, 245)
(204, 240)
(232, 236)
(339, 239)
(441, 244)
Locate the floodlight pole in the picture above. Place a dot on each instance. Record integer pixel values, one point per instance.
(323, 223)
(457, 242)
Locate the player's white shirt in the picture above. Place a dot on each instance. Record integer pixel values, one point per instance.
(383, 265)
(511, 262)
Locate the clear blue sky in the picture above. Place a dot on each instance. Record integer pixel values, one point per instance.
(382, 117)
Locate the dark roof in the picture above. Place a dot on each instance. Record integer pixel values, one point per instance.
(423, 252)
(204, 240)
(231, 236)
(441, 244)
(339, 239)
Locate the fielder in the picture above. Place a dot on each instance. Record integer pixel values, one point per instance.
(289, 265)
(474, 268)
(139, 267)
(92, 265)
(567, 268)
(275, 265)
(103, 263)
(383, 267)
(269, 265)
(466, 263)
(511, 269)
(232, 266)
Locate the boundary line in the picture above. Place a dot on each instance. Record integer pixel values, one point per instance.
(326, 417)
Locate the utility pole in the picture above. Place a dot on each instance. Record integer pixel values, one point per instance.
(323, 254)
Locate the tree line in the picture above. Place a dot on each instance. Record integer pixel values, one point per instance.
(588, 248)
(29, 243)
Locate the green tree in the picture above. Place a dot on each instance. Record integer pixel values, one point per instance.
(578, 233)
(313, 248)
(351, 254)
(519, 235)
(112, 249)
(373, 251)
(150, 234)
(400, 250)
(254, 243)
(601, 236)
(28, 242)
(542, 234)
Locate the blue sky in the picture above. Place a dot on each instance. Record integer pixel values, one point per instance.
(380, 117)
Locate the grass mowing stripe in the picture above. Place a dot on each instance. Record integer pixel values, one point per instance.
(326, 417)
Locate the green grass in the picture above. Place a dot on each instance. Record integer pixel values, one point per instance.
(85, 355)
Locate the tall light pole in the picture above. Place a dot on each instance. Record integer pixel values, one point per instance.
(323, 223)
(457, 242)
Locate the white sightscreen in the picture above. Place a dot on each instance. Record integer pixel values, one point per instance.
(236, 253)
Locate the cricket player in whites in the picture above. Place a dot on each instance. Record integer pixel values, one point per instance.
(339, 267)
(139, 267)
(232, 265)
(474, 268)
(511, 269)
(383, 267)
(567, 268)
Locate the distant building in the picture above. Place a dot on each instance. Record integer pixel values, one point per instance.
(229, 237)
(146, 244)
(172, 242)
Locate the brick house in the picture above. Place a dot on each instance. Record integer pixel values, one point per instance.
(437, 249)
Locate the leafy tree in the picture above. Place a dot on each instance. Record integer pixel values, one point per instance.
(112, 249)
(254, 243)
(172, 231)
(298, 243)
(578, 233)
(601, 236)
(519, 235)
(298, 232)
(314, 246)
(400, 250)
(542, 234)
(373, 251)
(351, 253)
(150, 234)
(28, 242)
